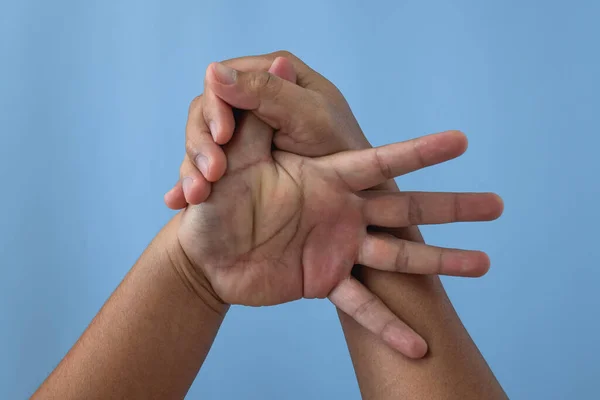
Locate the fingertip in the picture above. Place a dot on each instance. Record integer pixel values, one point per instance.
(499, 209)
(283, 68)
(482, 266)
(487, 207)
(465, 263)
(213, 126)
(485, 262)
(441, 147)
(174, 198)
(219, 118)
(212, 163)
(202, 162)
(404, 340)
(460, 139)
(218, 165)
(195, 190)
(416, 348)
(210, 77)
(220, 134)
(411, 345)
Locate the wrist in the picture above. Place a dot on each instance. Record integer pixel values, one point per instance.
(191, 277)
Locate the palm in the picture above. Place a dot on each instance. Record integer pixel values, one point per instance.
(287, 229)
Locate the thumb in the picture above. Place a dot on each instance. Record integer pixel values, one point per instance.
(278, 102)
(253, 138)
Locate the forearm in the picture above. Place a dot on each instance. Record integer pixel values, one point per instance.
(453, 367)
(150, 338)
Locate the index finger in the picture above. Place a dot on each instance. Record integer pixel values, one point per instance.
(364, 169)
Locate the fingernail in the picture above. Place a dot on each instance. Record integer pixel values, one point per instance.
(224, 74)
(186, 183)
(202, 164)
(213, 129)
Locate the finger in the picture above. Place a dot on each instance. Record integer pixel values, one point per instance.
(201, 149)
(218, 115)
(283, 68)
(205, 111)
(253, 140)
(279, 103)
(368, 310)
(306, 76)
(388, 253)
(204, 159)
(364, 169)
(174, 198)
(195, 187)
(211, 119)
(396, 210)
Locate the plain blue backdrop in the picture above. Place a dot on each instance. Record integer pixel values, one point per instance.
(93, 102)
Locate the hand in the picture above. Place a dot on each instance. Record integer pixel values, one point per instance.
(302, 117)
(312, 118)
(279, 226)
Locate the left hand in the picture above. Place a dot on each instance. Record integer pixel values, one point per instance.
(311, 118)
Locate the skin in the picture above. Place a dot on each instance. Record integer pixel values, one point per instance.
(453, 368)
(152, 335)
(279, 227)
(150, 338)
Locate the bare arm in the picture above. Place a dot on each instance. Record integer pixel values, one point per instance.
(453, 368)
(150, 338)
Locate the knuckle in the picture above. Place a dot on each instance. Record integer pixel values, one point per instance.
(195, 104)
(191, 149)
(402, 261)
(365, 308)
(321, 124)
(456, 209)
(415, 213)
(384, 167)
(284, 53)
(440, 261)
(258, 81)
(322, 128)
(418, 155)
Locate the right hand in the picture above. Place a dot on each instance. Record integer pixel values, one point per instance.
(279, 227)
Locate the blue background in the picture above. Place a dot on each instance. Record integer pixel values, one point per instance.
(93, 102)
